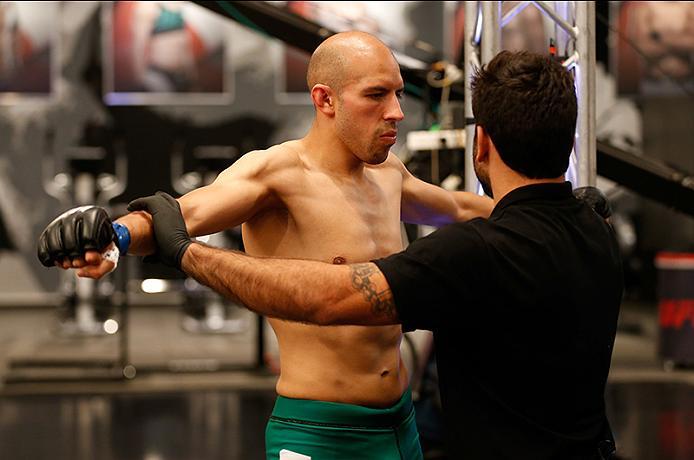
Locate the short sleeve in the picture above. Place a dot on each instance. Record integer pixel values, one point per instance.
(438, 278)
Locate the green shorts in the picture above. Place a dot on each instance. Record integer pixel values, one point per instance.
(301, 429)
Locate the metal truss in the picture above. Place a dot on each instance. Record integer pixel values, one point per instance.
(574, 36)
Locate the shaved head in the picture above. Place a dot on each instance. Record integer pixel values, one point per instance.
(332, 62)
(356, 87)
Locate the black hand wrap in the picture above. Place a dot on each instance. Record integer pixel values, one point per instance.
(594, 198)
(73, 233)
(170, 230)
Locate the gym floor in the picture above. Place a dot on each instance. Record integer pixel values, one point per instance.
(197, 397)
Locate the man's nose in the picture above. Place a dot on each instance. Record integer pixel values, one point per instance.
(394, 112)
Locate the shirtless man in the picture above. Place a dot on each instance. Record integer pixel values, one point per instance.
(337, 195)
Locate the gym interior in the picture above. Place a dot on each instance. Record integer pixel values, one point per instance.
(147, 363)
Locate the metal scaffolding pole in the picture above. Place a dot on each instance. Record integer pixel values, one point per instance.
(575, 39)
(482, 43)
(471, 51)
(491, 31)
(585, 91)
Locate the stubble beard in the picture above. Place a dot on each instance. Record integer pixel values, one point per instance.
(377, 154)
(370, 153)
(480, 172)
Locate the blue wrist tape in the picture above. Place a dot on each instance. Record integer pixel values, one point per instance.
(122, 237)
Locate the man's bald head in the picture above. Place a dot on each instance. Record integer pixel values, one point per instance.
(333, 62)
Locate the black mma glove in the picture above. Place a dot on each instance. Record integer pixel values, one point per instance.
(594, 198)
(169, 228)
(73, 233)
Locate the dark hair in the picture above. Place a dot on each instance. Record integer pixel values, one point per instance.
(526, 102)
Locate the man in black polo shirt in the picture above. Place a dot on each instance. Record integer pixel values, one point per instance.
(524, 310)
(523, 305)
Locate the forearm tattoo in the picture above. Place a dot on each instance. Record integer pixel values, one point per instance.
(381, 302)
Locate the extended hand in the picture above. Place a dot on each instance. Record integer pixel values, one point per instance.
(170, 230)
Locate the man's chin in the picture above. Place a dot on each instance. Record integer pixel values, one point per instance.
(378, 158)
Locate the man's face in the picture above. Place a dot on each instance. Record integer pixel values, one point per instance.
(368, 109)
(481, 170)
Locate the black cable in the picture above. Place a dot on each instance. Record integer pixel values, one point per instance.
(646, 58)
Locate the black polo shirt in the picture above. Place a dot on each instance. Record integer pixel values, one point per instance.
(524, 310)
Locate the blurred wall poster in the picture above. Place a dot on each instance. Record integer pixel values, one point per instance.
(663, 33)
(28, 47)
(165, 53)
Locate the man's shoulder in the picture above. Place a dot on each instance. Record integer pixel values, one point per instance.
(393, 166)
(277, 156)
(468, 237)
(260, 164)
(393, 162)
(474, 228)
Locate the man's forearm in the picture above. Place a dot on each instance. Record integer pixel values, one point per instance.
(298, 290)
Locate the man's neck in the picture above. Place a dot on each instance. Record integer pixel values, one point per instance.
(506, 183)
(328, 153)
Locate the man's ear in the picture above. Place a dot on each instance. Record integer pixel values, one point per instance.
(323, 99)
(482, 141)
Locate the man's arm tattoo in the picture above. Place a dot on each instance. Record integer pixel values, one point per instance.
(381, 302)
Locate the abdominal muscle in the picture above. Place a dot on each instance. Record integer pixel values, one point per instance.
(348, 364)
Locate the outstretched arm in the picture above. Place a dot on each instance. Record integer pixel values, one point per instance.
(297, 290)
(427, 204)
(237, 194)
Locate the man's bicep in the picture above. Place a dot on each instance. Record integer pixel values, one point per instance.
(237, 194)
(425, 203)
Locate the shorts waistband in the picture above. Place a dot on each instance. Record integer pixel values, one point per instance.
(332, 413)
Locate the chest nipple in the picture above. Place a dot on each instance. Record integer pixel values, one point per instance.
(339, 260)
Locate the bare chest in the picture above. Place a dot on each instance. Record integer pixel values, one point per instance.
(331, 220)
